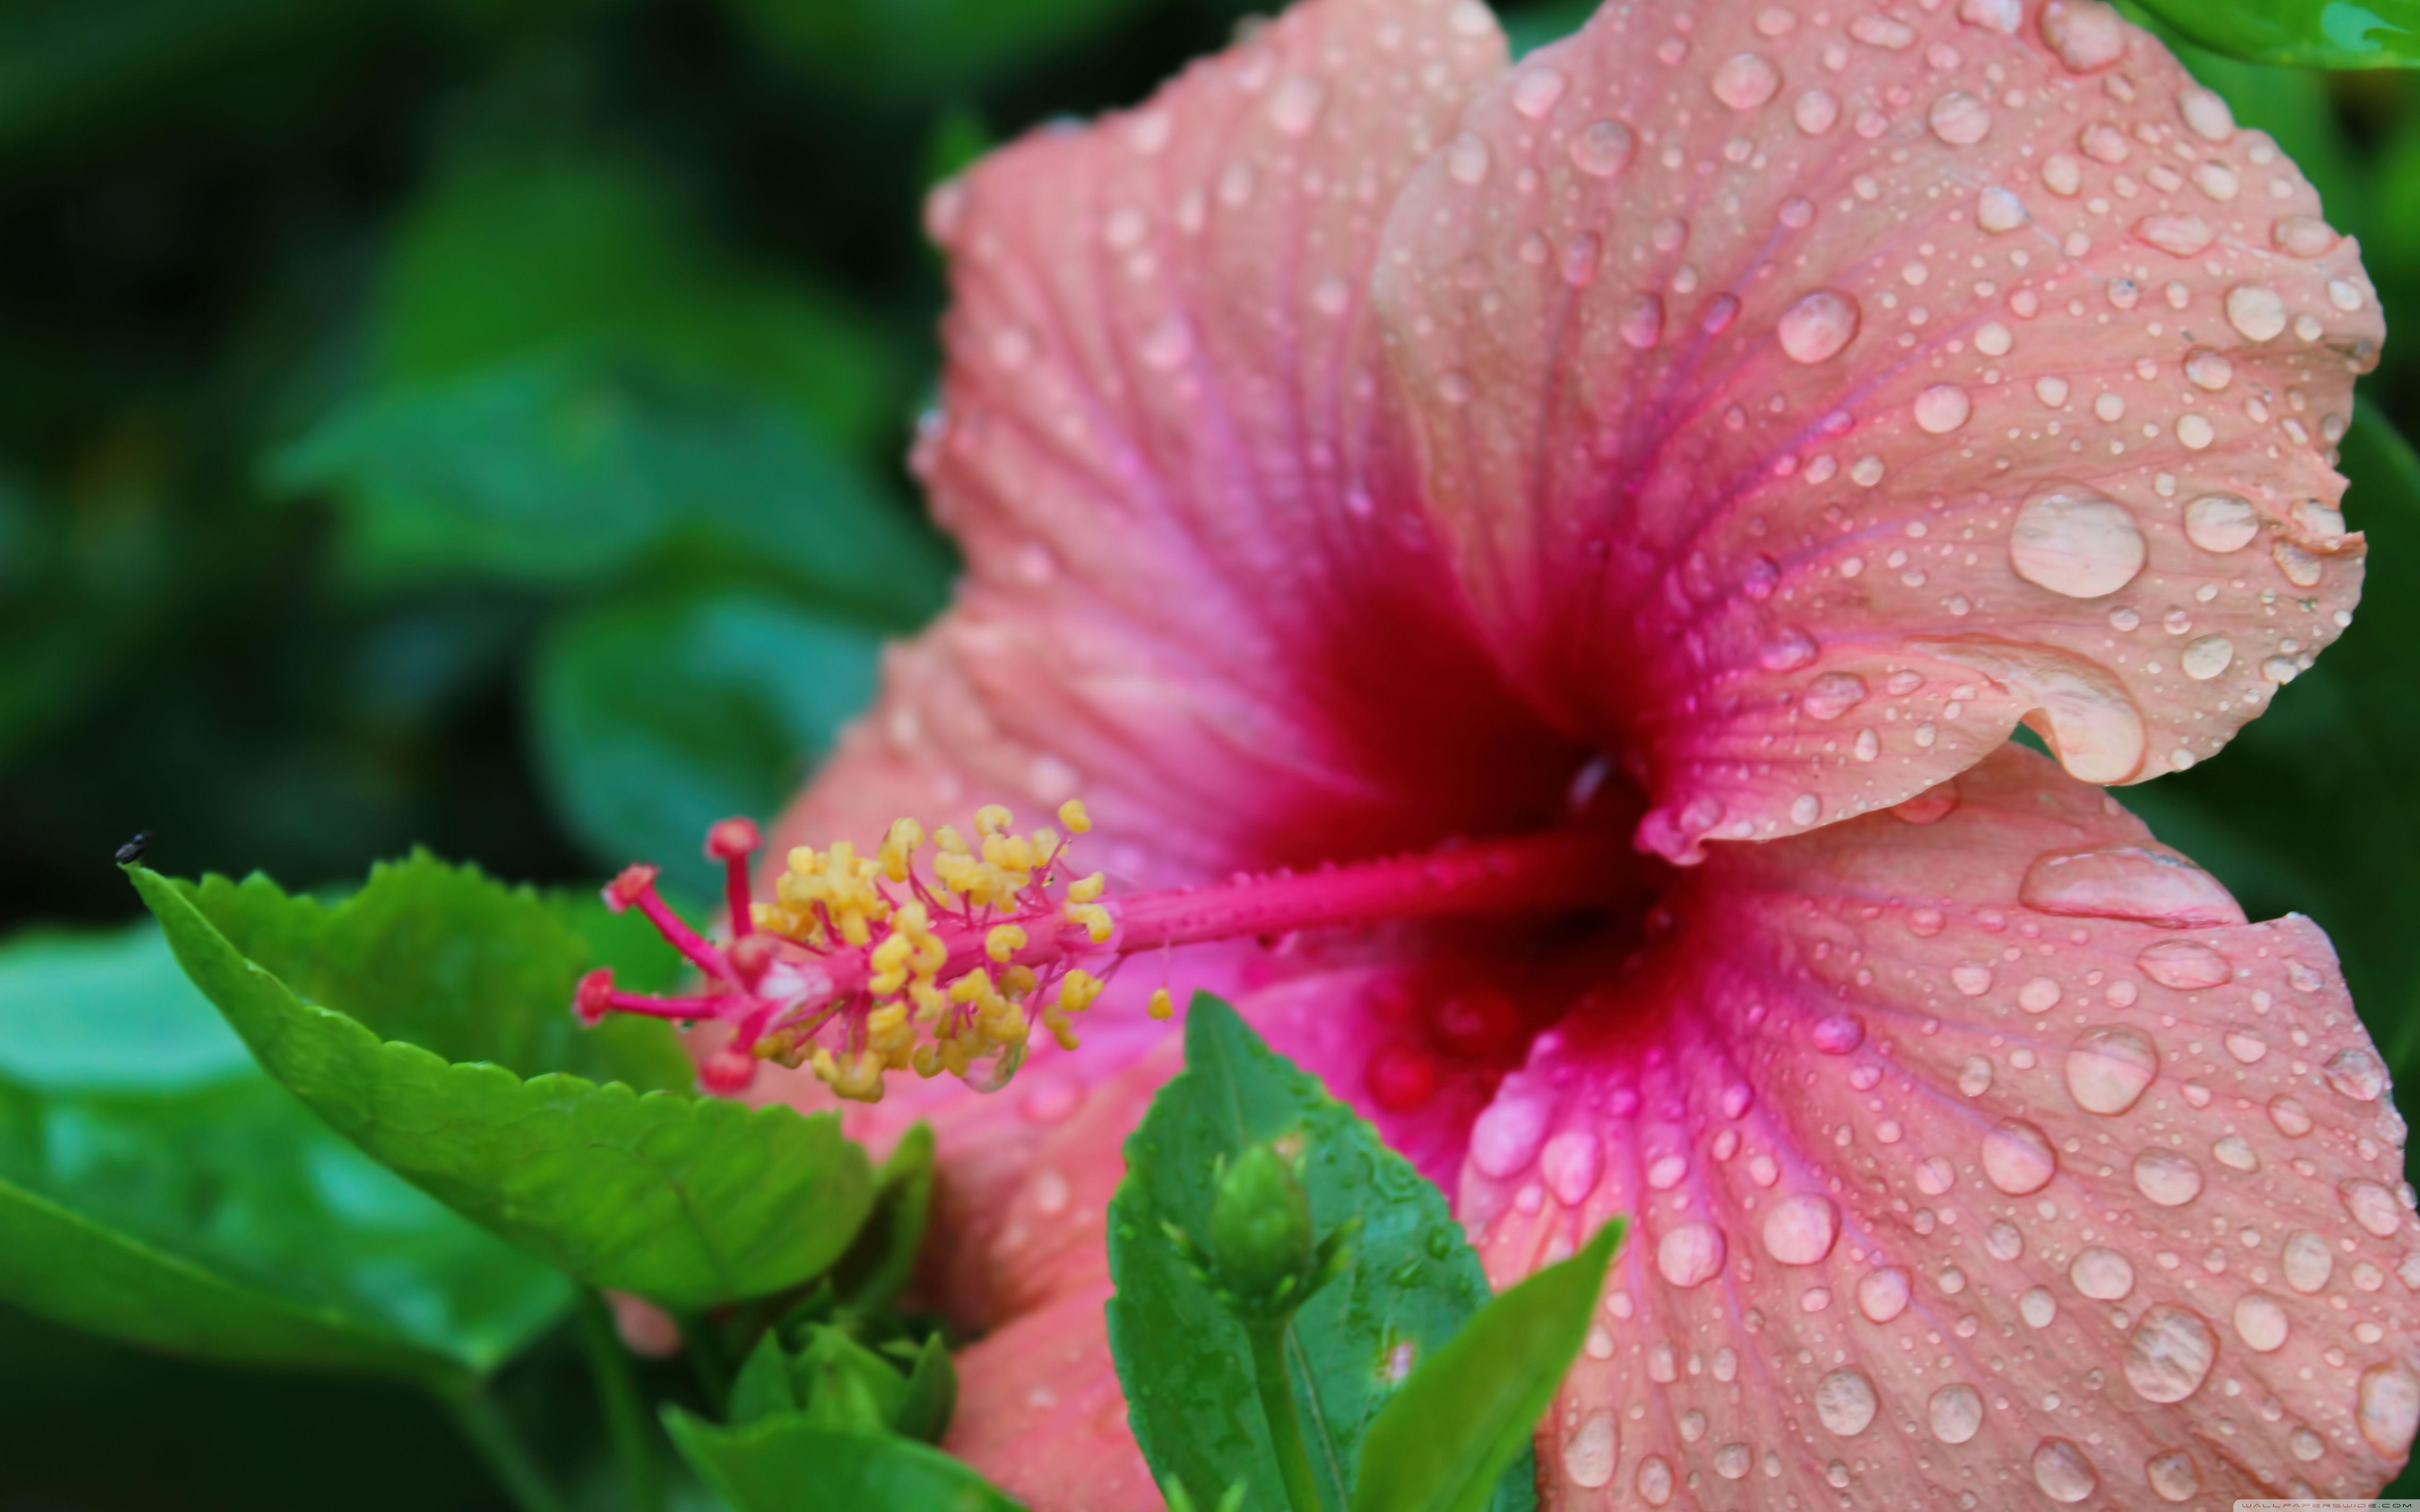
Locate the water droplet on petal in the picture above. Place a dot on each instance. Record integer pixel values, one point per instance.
(1816, 112)
(1690, 1254)
(2059, 1467)
(1571, 1164)
(1883, 1295)
(2205, 657)
(2137, 881)
(2179, 235)
(1837, 1034)
(2185, 965)
(2260, 1322)
(2293, 1120)
(1507, 1135)
(1800, 1230)
(2372, 1206)
(1468, 159)
(1942, 409)
(1592, 1450)
(1998, 210)
(2257, 310)
(2171, 1477)
(1960, 120)
(2167, 1178)
(1955, 1413)
(1788, 650)
(1974, 1075)
(2038, 1307)
(2205, 112)
(1294, 108)
(2073, 541)
(2303, 236)
(2018, 1158)
(1845, 1402)
(1537, 91)
(2358, 1074)
(1745, 81)
(2102, 1273)
(2169, 1354)
(1833, 695)
(2388, 1408)
(1818, 326)
(2108, 1068)
(1603, 149)
(2084, 34)
(2307, 1261)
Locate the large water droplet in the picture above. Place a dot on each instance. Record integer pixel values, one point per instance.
(2206, 657)
(1818, 326)
(2221, 522)
(1960, 120)
(1468, 159)
(2144, 883)
(2186, 965)
(2293, 1120)
(1833, 695)
(1571, 1164)
(1955, 1413)
(2084, 35)
(1294, 108)
(1800, 1230)
(2171, 1477)
(1537, 91)
(1506, 1135)
(2358, 1074)
(2169, 1354)
(2109, 1067)
(2102, 1273)
(2260, 1321)
(2255, 310)
(1745, 81)
(2179, 235)
(1882, 1295)
(2307, 1261)
(1603, 149)
(1837, 1034)
(1655, 1480)
(2372, 1206)
(1942, 409)
(1846, 1403)
(2059, 1467)
(2073, 541)
(2018, 1158)
(1998, 210)
(2168, 1179)
(1690, 1254)
(2388, 1407)
(1592, 1450)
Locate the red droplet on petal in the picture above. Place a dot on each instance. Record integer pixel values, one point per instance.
(727, 1071)
(595, 994)
(1401, 1078)
(1478, 1022)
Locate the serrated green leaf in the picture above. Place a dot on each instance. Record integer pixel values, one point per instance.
(654, 719)
(1412, 1281)
(447, 958)
(686, 1200)
(1443, 1443)
(788, 1465)
(157, 1188)
(2310, 34)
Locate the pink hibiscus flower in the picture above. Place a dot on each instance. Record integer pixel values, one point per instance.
(1393, 479)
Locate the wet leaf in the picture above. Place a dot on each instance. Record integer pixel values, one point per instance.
(1412, 1279)
(790, 1465)
(157, 1188)
(1443, 1443)
(683, 1199)
(2310, 34)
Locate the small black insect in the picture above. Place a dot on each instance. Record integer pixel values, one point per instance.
(133, 850)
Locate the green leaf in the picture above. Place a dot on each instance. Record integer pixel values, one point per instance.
(2311, 33)
(654, 719)
(1443, 1441)
(1412, 1279)
(464, 966)
(932, 1396)
(788, 1465)
(877, 1267)
(763, 1387)
(688, 1200)
(156, 1188)
(571, 464)
(2312, 808)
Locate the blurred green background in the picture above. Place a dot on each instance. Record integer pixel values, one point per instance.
(479, 424)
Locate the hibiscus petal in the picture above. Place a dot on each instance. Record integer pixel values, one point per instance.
(1154, 448)
(1809, 395)
(1975, 1145)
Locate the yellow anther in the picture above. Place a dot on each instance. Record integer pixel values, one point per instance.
(1003, 941)
(1087, 889)
(992, 819)
(1163, 1005)
(1016, 981)
(1076, 993)
(1096, 919)
(949, 839)
(899, 848)
(1072, 815)
(1065, 1036)
(971, 988)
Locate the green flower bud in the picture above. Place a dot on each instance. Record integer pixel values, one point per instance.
(1261, 1240)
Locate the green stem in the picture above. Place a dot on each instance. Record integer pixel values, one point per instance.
(705, 1357)
(500, 1444)
(626, 1412)
(1277, 1405)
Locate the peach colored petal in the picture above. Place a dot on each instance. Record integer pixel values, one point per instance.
(1951, 1176)
(1808, 396)
(1040, 1414)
